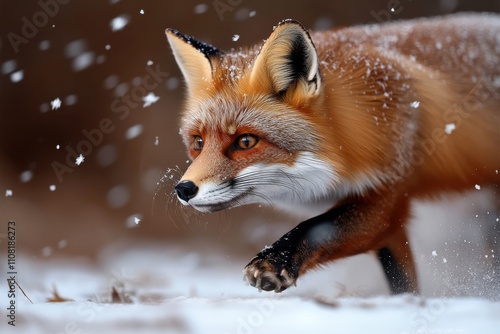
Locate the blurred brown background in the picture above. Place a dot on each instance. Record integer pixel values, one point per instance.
(68, 50)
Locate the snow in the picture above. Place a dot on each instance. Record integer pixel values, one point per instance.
(119, 22)
(70, 100)
(167, 289)
(44, 45)
(134, 131)
(17, 76)
(56, 103)
(9, 66)
(111, 81)
(200, 8)
(449, 128)
(149, 63)
(121, 89)
(141, 12)
(83, 61)
(107, 155)
(415, 104)
(477, 186)
(79, 159)
(52, 187)
(235, 38)
(133, 221)
(118, 196)
(26, 176)
(149, 99)
(8, 193)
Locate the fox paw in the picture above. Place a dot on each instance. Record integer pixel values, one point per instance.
(266, 274)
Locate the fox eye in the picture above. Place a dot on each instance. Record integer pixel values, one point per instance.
(197, 143)
(246, 141)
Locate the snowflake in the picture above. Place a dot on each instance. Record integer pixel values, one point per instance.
(477, 186)
(119, 22)
(415, 104)
(449, 128)
(56, 104)
(236, 37)
(80, 159)
(8, 193)
(150, 99)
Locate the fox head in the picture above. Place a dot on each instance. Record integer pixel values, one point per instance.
(248, 123)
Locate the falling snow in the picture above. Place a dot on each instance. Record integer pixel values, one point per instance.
(26, 176)
(52, 187)
(17, 76)
(56, 104)
(477, 186)
(79, 159)
(149, 99)
(235, 38)
(415, 104)
(8, 193)
(9, 66)
(134, 131)
(201, 8)
(449, 128)
(119, 22)
(83, 61)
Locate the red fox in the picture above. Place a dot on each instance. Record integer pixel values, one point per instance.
(352, 123)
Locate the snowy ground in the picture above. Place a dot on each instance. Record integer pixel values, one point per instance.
(165, 290)
(189, 287)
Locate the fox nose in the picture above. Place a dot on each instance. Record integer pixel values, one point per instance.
(186, 190)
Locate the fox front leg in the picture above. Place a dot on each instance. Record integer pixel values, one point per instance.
(353, 228)
(278, 266)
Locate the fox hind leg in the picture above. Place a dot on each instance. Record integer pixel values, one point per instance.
(399, 269)
(396, 256)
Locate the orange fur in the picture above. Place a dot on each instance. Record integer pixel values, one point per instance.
(388, 112)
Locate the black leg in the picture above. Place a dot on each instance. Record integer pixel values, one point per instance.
(398, 280)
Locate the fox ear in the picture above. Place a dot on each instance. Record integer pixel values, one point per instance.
(288, 63)
(194, 59)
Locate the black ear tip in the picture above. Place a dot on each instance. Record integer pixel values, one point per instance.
(205, 48)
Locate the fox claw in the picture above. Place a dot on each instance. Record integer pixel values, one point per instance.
(264, 275)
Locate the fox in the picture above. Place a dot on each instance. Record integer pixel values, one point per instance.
(345, 128)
